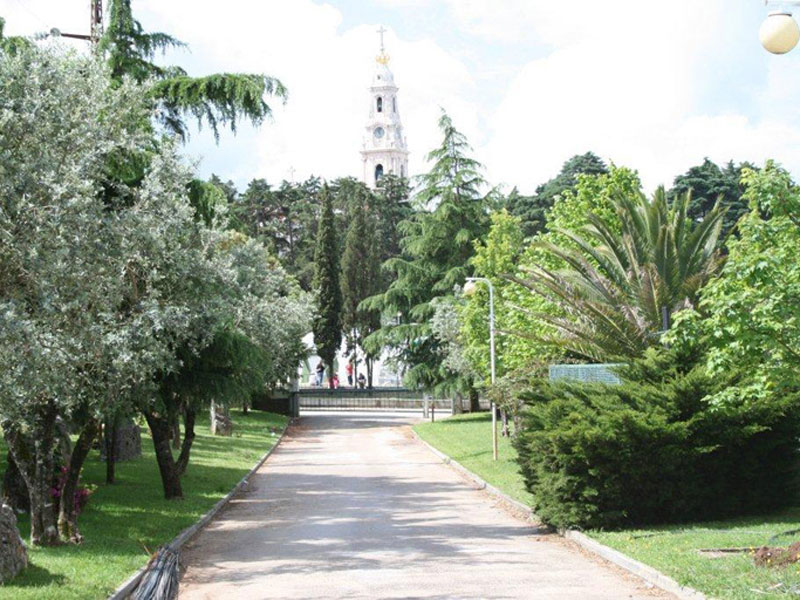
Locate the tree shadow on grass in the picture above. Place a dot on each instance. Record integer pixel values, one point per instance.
(35, 576)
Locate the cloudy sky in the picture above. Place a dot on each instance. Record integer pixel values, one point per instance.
(654, 85)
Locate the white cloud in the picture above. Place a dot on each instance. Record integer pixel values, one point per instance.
(624, 79)
(652, 85)
(327, 71)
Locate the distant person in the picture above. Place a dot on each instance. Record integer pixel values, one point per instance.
(349, 370)
(335, 381)
(320, 374)
(362, 381)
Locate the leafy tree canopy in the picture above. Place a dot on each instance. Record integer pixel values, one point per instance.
(437, 243)
(616, 285)
(216, 100)
(753, 322)
(532, 210)
(709, 184)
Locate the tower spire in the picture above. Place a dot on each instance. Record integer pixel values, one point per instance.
(382, 58)
(384, 151)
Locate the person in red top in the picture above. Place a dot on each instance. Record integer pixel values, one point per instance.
(335, 381)
(349, 370)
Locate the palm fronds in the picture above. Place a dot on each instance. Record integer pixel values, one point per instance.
(615, 284)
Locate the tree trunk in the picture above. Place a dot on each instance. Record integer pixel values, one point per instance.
(517, 417)
(35, 458)
(170, 480)
(504, 419)
(188, 437)
(64, 442)
(458, 408)
(474, 400)
(67, 513)
(175, 434)
(15, 490)
(110, 436)
(370, 364)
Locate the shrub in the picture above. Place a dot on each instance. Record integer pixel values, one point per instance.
(653, 449)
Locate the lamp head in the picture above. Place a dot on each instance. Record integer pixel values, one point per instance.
(779, 33)
(470, 288)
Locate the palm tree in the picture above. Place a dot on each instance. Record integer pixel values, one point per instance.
(620, 286)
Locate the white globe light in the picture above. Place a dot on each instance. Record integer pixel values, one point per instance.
(470, 288)
(779, 33)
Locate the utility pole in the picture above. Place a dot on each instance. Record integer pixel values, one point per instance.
(95, 24)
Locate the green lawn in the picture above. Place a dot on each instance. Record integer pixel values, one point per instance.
(468, 440)
(674, 550)
(124, 521)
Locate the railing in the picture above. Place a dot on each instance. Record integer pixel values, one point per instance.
(317, 399)
(364, 399)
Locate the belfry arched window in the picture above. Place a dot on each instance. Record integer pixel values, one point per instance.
(380, 104)
(394, 104)
(378, 172)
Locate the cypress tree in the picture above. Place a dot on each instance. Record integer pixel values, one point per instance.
(327, 324)
(361, 278)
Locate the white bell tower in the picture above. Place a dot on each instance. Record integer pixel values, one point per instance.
(385, 149)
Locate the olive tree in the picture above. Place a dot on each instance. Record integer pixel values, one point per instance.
(63, 270)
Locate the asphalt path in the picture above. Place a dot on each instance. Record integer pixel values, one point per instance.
(350, 505)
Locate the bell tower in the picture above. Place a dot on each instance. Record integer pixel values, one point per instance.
(384, 150)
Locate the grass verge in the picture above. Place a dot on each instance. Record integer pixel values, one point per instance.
(674, 549)
(125, 521)
(467, 439)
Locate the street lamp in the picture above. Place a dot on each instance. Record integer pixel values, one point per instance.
(780, 33)
(469, 289)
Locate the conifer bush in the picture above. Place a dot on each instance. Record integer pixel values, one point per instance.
(655, 449)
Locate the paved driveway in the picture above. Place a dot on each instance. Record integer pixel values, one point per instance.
(351, 506)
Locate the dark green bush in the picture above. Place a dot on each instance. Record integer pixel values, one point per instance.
(654, 450)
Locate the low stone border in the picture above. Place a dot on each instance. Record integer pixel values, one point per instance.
(480, 483)
(124, 590)
(649, 574)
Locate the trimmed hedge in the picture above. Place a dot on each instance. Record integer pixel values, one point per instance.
(653, 449)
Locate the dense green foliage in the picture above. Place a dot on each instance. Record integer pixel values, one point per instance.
(532, 210)
(284, 219)
(709, 184)
(753, 308)
(653, 449)
(327, 325)
(619, 289)
(437, 243)
(361, 278)
(131, 292)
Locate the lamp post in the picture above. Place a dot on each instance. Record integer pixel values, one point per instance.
(469, 289)
(780, 33)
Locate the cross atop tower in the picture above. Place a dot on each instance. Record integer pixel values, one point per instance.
(381, 31)
(382, 58)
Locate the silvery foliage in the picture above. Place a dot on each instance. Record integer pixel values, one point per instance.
(266, 304)
(95, 297)
(60, 261)
(446, 326)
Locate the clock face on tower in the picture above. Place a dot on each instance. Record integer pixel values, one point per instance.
(378, 133)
